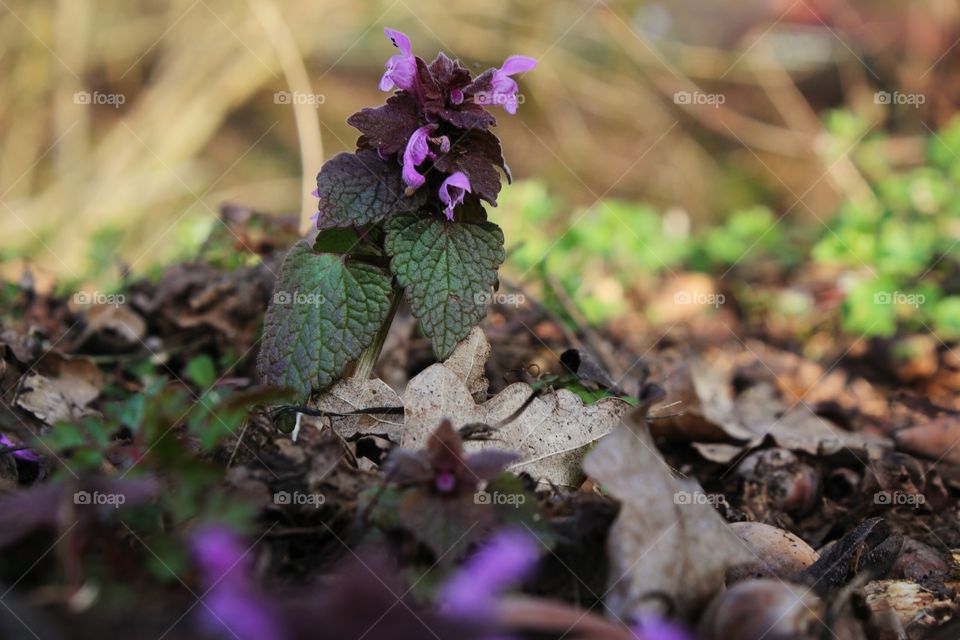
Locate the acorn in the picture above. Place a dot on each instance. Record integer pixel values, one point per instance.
(778, 553)
(766, 609)
(791, 485)
(919, 561)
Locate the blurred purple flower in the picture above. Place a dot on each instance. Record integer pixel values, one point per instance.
(27, 455)
(233, 606)
(651, 627)
(453, 190)
(506, 560)
(503, 90)
(418, 150)
(401, 68)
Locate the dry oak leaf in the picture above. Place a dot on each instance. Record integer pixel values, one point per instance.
(352, 394)
(665, 540)
(552, 434)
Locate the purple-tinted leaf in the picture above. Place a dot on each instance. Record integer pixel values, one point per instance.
(404, 465)
(466, 116)
(483, 83)
(449, 74)
(477, 154)
(387, 127)
(361, 188)
(490, 463)
(447, 527)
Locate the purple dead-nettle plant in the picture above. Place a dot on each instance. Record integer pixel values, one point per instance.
(232, 605)
(403, 214)
(504, 562)
(19, 452)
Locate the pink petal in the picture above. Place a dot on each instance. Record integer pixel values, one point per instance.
(517, 64)
(399, 39)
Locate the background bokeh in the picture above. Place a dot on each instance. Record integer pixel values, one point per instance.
(125, 124)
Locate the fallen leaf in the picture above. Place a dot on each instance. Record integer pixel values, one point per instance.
(552, 434)
(665, 540)
(708, 412)
(352, 394)
(63, 390)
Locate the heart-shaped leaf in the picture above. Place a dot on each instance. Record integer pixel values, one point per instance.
(325, 311)
(448, 269)
(361, 188)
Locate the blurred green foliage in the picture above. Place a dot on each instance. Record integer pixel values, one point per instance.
(895, 252)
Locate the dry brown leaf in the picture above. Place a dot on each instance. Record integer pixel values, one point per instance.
(552, 434)
(661, 542)
(352, 394)
(63, 391)
(709, 412)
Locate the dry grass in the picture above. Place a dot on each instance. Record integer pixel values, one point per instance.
(200, 125)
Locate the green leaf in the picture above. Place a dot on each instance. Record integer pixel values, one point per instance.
(448, 270)
(362, 188)
(325, 312)
(202, 371)
(336, 241)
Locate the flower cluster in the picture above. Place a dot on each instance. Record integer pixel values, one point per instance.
(436, 126)
(444, 466)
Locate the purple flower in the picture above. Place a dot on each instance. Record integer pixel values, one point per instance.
(233, 606)
(418, 150)
(27, 455)
(453, 190)
(504, 89)
(651, 627)
(506, 560)
(401, 68)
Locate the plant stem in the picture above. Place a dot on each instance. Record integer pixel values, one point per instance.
(368, 359)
